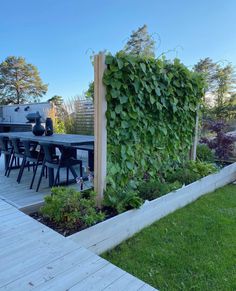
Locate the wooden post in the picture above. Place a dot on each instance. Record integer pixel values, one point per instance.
(100, 132)
(195, 138)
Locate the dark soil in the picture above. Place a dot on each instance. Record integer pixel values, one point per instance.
(63, 229)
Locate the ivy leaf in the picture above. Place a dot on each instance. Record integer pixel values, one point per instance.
(192, 107)
(112, 124)
(163, 130)
(143, 67)
(152, 130)
(133, 115)
(120, 63)
(118, 109)
(148, 88)
(113, 115)
(143, 162)
(109, 60)
(114, 93)
(174, 107)
(129, 165)
(136, 86)
(152, 99)
(123, 152)
(163, 101)
(158, 105)
(158, 91)
(123, 99)
(176, 83)
(114, 169)
(124, 124)
(131, 60)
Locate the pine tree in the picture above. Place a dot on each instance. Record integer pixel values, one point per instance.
(140, 43)
(20, 82)
(220, 79)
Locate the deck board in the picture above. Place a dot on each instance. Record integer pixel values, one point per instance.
(32, 256)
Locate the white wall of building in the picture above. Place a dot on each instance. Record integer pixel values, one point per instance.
(9, 113)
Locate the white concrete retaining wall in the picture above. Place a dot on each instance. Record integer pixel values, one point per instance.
(108, 234)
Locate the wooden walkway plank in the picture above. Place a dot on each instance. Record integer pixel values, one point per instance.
(32, 256)
(11, 236)
(50, 270)
(125, 283)
(23, 261)
(69, 278)
(100, 279)
(147, 287)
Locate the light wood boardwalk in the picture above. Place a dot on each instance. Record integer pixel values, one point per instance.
(34, 257)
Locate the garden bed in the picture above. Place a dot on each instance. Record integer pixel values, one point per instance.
(108, 234)
(116, 228)
(64, 229)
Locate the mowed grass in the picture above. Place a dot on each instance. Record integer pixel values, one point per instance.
(191, 249)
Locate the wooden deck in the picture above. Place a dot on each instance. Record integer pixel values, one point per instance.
(32, 256)
(19, 195)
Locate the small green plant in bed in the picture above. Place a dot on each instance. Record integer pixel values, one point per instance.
(70, 208)
(122, 199)
(149, 190)
(205, 154)
(190, 172)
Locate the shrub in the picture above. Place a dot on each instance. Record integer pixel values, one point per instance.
(153, 189)
(202, 168)
(70, 208)
(59, 126)
(122, 199)
(204, 153)
(183, 175)
(191, 172)
(223, 144)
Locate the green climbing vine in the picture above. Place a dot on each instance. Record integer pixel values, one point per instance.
(150, 116)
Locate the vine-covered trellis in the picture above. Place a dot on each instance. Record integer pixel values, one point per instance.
(151, 110)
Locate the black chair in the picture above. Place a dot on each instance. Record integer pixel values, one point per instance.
(7, 150)
(31, 155)
(18, 153)
(51, 161)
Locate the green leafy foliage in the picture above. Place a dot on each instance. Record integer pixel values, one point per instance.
(191, 172)
(59, 126)
(68, 207)
(122, 199)
(153, 189)
(204, 153)
(150, 116)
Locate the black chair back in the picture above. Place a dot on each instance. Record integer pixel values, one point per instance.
(49, 151)
(16, 146)
(29, 148)
(4, 144)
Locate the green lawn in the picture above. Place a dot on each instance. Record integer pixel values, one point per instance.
(191, 249)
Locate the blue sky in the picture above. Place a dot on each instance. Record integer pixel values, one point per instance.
(58, 36)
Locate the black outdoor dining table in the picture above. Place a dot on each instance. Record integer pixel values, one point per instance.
(70, 140)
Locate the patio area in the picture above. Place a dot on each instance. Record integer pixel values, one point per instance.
(23, 198)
